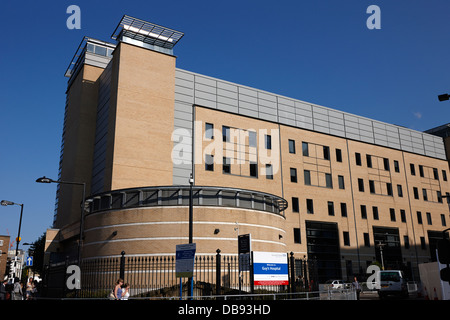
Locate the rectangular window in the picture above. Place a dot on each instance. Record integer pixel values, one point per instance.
(295, 207)
(372, 186)
(326, 153)
(293, 175)
(291, 146)
(423, 244)
(309, 206)
(444, 175)
(305, 149)
(253, 169)
(268, 141)
(328, 180)
(361, 185)
(386, 164)
(406, 240)
(341, 182)
(396, 166)
(225, 134)
(330, 208)
(209, 131)
(424, 193)
(419, 217)
(400, 190)
(209, 162)
(343, 209)
(226, 166)
(297, 238)
(403, 215)
(375, 213)
(413, 169)
(252, 139)
(435, 174)
(366, 239)
(358, 158)
(363, 212)
(416, 193)
(389, 188)
(346, 238)
(421, 170)
(369, 160)
(392, 212)
(439, 196)
(269, 172)
(338, 155)
(429, 219)
(307, 177)
(443, 222)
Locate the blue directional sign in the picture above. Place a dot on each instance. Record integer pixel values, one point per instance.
(29, 261)
(185, 254)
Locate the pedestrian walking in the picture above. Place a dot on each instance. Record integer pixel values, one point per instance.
(3, 289)
(125, 291)
(30, 289)
(118, 289)
(17, 291)
(357, 287)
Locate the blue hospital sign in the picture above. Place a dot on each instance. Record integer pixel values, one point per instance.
(270, 268)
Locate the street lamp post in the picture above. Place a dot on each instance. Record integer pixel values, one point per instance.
(48, 180)
(10, 203)
(191, 218)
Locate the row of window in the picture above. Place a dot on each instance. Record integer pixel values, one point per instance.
(346, 238)
(363, 210)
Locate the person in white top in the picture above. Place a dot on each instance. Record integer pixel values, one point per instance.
(125, 291)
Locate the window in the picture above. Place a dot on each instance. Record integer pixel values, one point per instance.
(346, 238)
(413, 169)
(326, 153)
(226, 166)
(443, 222)
(429, 219)
(268, 141)
(225, 134)
(435, 174)
(444, 175)
(343, 209)
(358, 158)
(209, 131)
(424, 193)
(396, 166)
(389, 188)
(307, 177)
(361, 185)
(416, 193)
(366, 239)
(269, 172)
(375, 213)
(297, 238)
(305, 149)
(293, 175)
(209, 162)
(330, 208)
(295, 207)
(392, 212)
(341, 182)
(403, 215)
(419, 217)
(252, 139)
(328, 180)
(400, 190)
(421, 170)
(423, 245)
(291, 146)
(253, 169)
(363, 212)
(369, 160)
(439, 196)
(406, 240)
(309, 206)
(371, 186)
(386, 164)
(338, 155)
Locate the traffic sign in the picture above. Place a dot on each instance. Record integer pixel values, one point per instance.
(29, 261)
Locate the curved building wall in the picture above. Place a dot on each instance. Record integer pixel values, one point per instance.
(153, 224)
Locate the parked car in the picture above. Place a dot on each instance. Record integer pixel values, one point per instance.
(335, 284)
(392, 282)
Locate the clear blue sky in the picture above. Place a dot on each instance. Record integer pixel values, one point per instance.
(317, 51)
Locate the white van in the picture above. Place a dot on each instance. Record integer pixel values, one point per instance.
(392, 282)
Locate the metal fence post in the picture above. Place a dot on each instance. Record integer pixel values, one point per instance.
(292, 280)
(122, 265)
(218, 273)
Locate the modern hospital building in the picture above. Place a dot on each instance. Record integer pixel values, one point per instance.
(298, 177)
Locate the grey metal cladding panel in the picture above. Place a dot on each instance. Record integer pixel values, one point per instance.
(302, 106)
(303, 113)
(205, 88)
(248, 92)
(227, 108)
(205, 103)
(205, 81)
(182, 74)
(205, 96)
(285, 114)
(227, 86)
(288, 121)
(247, 112)
(319, 111)
(273, 105)
(248, 105)
(321, 123)
(268, 117)
(248, 99)
(185, 91)
(227, 94)
(285, 101)
(267, 97)
(180, 82)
